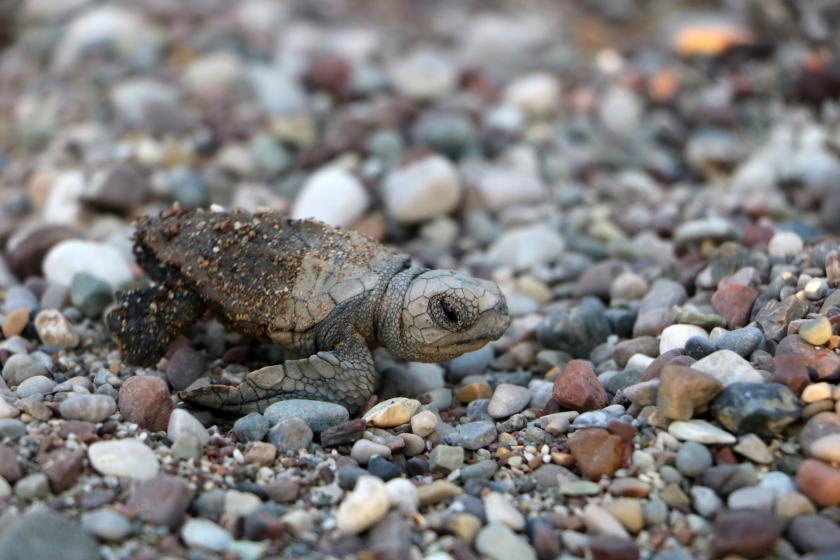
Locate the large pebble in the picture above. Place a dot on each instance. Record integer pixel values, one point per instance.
(90, 408)
(597, 452)
(393, 412)
(526, 247)
(318, 415)
(760, 408)
(162, 500)
(290, 435)
(333, 196)
(500, 510)
(70, 257)
(181, 421)
(129, 458)
(364, 507)
(674, 337)
(819, 481)
(684, 391)
(37, 385)
(728, 367)
(422, 190)
(55, 330)
(507, 400)
(41, 533)
(106, 524)
(578, 388)
(20, 367)
(145, 400)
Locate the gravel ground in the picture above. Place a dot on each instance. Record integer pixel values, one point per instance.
(654, 185)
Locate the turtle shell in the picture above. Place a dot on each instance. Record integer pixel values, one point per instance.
(263, 273)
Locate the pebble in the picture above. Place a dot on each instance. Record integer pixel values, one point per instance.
(89, 408)
(599, 521)
(705, 501)
(674, 337)
(446, 458)
(106, 524)
(436, 492)
(422, 190)
(826, 448)
(70, 257)
(750, 533)
(364, 449)
(37, 385)
(290, 435)
(473, 435)
(785, 244)
(423, 74)
(814, 533)
(684, 391)
(761, 408)
(333, 196)
(55, 330)
(577, 388)
(251, 427)
(40, 533)
(203, 534)
(15, 322)
(536, 94)
(497, 542)
(741, 341)
(734, 302)
(162, 500)
(364, 507)
(820, 482)
(402, 495)
(20, 367)
(500, 510)
(816, 331)
(424, 423)
(577, 332)
(526, 247)
(753, 448)
(181, 422)
(693, 459)
(184, 367)
(701, 432)
(728, 367)
(597, 452)
(318, 415)
(391, 413)
(90, 294)
(128, 458)
(145, 401)
(507, 400)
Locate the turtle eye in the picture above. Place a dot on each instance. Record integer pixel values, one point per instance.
(449, 311)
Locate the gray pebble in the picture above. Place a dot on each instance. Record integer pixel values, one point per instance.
(251, 427)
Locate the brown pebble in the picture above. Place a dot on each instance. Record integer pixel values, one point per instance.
(578, 388)
(746, 532)
(15, 322)
(819, 481)
(162, 500)
(63, 468)
(597, 452)
(145, 401)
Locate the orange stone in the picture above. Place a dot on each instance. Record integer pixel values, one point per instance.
(597, 452)
(819, 481)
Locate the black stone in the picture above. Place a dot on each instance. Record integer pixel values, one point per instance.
(764, 409)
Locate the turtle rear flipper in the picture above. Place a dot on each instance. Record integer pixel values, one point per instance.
(145, 321)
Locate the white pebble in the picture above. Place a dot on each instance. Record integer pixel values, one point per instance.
(333, 196)
(365, 506)
(128, 458)
(422, 190)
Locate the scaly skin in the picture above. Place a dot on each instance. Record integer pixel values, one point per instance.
(325, 293)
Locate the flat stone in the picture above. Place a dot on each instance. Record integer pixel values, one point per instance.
(128, 458)
(470, 392)
(753, 448)
(364, 449)
(612, 547)
(436, 492)
(701, 432)
(774, 317)
(500, 510)
(343, 434)
(728, 367)
(318, 415)
(251, 427)
(63, 467)
(473, 435)
(106, 524)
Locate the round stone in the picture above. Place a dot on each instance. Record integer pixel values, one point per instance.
(55, 330)
(393, 412)
(203, 534)
(365, 506)
(90, 408)
(422, 190)
(70, 257)
(145, 401)
(674, 337)
(318, 415)
(128, 458)
(816, 331)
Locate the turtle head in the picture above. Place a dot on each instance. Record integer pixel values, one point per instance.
(445, 313)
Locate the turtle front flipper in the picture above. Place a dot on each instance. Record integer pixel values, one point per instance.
(345, 376)
(145, 321)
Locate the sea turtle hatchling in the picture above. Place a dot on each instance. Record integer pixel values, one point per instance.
(327, 295)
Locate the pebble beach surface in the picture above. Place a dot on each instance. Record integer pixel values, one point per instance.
(655, 186)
